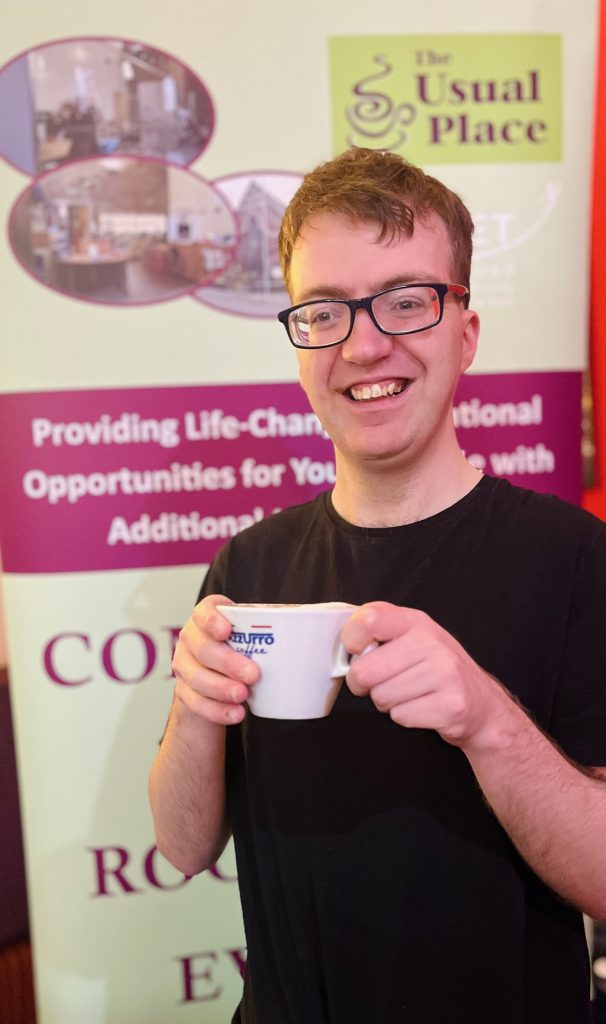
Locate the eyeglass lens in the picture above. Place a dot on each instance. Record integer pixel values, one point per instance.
(398, 311)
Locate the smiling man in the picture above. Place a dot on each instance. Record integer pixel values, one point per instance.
(423, 854)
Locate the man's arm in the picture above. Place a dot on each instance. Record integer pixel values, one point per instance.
(187, 778)
(553, 811)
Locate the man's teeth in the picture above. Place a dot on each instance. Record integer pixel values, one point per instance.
(368, 391)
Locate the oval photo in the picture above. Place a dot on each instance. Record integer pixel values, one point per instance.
(122, 231)
(90, 97)
(253, 285)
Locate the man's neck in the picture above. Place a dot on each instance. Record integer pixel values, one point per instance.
(374, 496)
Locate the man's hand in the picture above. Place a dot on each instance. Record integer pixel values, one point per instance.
(421, 676)
(212, 680)
(187, 778)
(554, 812)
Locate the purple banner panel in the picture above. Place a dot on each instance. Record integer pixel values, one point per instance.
(524, 426)
(126, 478)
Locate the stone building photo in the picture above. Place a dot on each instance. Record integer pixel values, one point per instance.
(252, 285)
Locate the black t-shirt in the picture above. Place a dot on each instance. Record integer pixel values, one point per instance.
(376, 884)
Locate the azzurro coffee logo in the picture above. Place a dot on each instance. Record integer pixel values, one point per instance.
(255, 641)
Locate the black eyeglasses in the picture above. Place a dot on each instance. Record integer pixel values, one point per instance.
(406, 309)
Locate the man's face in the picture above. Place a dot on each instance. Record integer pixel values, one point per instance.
(334, 258)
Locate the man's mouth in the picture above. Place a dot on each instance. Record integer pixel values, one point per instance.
(368, 392)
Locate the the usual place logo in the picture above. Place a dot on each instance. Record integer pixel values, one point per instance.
(455, 99)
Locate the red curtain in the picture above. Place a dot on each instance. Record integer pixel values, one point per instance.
(595, 497)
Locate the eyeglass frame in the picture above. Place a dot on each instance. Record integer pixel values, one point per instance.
(441, 289)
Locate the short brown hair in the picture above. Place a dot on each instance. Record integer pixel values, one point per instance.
(383, 189)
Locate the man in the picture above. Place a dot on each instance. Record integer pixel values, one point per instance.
(423, 854)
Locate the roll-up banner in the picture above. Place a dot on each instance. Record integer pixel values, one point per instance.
(150, 408)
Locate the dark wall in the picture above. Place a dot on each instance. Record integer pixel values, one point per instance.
(13, 899)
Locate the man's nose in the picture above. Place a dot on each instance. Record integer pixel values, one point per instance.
(366, 343)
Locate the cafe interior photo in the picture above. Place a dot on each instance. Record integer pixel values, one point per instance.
(122, 230)
(94, 97)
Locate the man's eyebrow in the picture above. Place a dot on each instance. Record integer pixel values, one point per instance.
(331, 292)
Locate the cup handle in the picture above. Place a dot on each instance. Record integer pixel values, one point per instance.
(343, 658)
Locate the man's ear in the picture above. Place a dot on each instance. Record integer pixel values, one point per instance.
(471, 333)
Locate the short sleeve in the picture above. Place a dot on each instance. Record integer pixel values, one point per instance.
(579, 714)
(214, 580)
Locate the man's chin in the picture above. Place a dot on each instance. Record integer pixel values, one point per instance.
(379, 458)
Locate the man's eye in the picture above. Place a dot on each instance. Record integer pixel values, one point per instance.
(408, 304)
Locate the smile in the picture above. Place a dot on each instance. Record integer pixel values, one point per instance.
(368, 392)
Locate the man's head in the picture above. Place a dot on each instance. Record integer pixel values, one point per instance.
(381, 189)
(363, 226)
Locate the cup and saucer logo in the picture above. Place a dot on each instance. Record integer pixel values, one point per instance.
(373, 116)
(255, 640)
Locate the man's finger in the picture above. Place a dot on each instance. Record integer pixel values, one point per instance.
(378, 621)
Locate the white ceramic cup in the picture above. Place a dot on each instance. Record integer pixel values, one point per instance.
(299, 651)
